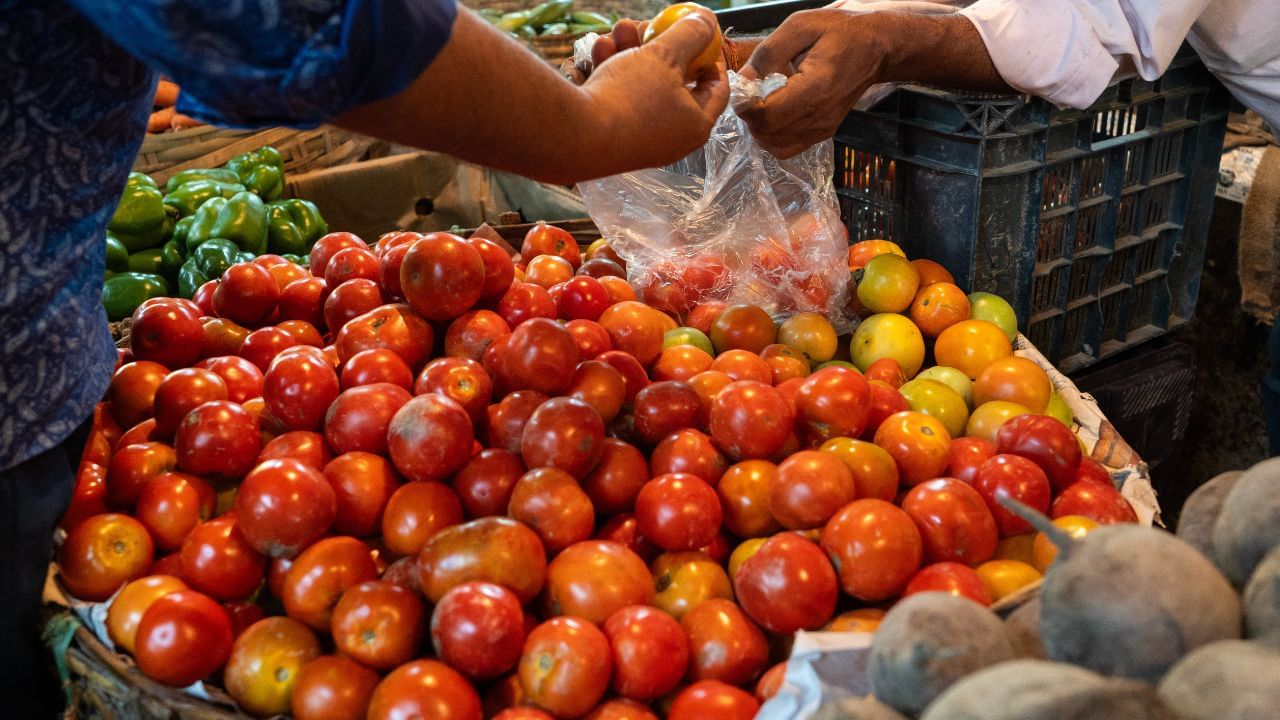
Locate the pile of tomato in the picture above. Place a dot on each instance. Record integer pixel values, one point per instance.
(423, 479)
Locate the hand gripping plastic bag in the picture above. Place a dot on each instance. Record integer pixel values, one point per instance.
(731, 223)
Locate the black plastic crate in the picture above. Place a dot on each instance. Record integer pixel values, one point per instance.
(1091, 223)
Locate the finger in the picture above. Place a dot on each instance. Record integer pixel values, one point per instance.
(777, 53)
(712, 93)
(603, 49)
(685, 40)
(626, 34)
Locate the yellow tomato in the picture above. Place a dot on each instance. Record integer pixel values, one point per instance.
(971, 345)
(685, 579)
(743, 552)
(988, 417)
(953, 379)
(811, 334)
(875, 474)
(939, 401)
(1058, 409)
(860, 620)
(1004, 577)
(994, 309)
(1016, 547)
(888, 335)
(1043, 551)
(668, 17)
(889, 284)
(860, 253)
(1015, 379)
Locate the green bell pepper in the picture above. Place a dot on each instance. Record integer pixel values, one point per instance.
(261, 171)
(146, 261)
(142, 220)
(213, 257)
(242, 218)
(293, 226)
(189, 197)
(180, 230)
(244, 257)
(222, 175)
(300, 260)
(124, 292)
(190, 278)
(172, 256)
(117, 254)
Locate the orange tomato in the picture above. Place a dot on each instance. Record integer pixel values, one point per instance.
(875, 473)
(1015, 379)
(971, 345)
(680, 362)
(687, 579)
(743, 365)
(548, 271)
(1005, 577)
(987, 418)
(743, 552)
(932, 272)
(1043, 551)
(860, 620)
(888, 284)
(785, 362)
(938, 306)
(918, 444)
(811, 334)
(860, 253)
(1016, 547)
(636, 329)
(619, 289)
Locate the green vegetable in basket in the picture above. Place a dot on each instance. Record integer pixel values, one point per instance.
(117, 254)
(555, 29)
(172, 255)
(549, 12)
(222, 175)
(146, 261)
(293, 226)
(584, 17)
(577, 29)
(190, 278)
(189, 197)
(212, 258)
(526, 31)
(181, 229)
(242, 218)
(141, 220)
(123, 292)
(261, 171)
(513, 21)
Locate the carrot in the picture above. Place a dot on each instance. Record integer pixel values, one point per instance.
(166, 94)
(160, 120)
(181, 121)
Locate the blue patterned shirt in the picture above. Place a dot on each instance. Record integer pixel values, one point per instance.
(77, 79)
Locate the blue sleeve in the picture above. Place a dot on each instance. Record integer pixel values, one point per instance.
(256, 63)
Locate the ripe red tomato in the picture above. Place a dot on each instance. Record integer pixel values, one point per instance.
(787, 585)
(328, 246)
(218, 560)
(1044, 441)
(142, 433)
(247, 294)
(265, 660)
(951, 578)
(302, 331)
(89, 497)
(302, 445)
(358, 418)
(460, 379)
(743, 327)
(599, 385)
(509, 416)
(650, 652)
(321, 574)
(1102, 503)
(885, 403)
(298, 390)
(203, 297)
(129, 605)
(285, 272)
(544, 239)
(485, 483)
(379, 623)
(304, 300)
(183, 637)
(966, 455)
(362, 485)
(102, 553)
(389, 271)
(132, 467)
(242, 378)
(478, 628)
(499, 270)
(713, 700)
(620, 709)
(678, 512)
(808, 488)
(171, 505)
(601, 267)
(243, 615)
(350, 300)
(623, 529)
(565, 666)
(551, 502)
(750, 420)
(283, 506)
(442, 276)
(662, 408)
(392, 327)
(724, 644)
(263, 345)
(168, 333)
(833, 402)
(1016, 477)
(594, 578)
(1091, 470)
(471, 333)
(616, 480)
(876, 548)
(415, 512)
(630, 368)
(133, 390)
(221, 337)
(954, 522)
(218, 439)
(744, 499)
(563, 433)
(888, 371)
(918, 443)
(430, 438)
(688, 451)
(424, 689)
(496, 550)
(541, 355)
(523, 301)
(350, 263)
(333, 687)
(181, 392)
(583, 298)
(590, 337)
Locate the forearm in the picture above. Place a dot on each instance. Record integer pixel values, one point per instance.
(945, 51)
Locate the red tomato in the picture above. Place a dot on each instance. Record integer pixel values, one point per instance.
(218, 560)
(499, 271)
(723, 643)
(583, 298)
(394, 239)
(221, 337)
(1044, 441)
(678, 512)
(544, 239)
(350, 300)
(321, 574)
(247, 294)
(617, 479)
(1091, 470)
(424, 689)
(391, 327)
(350, 263)
(430, 438)
(89, 497)
(833, 402)
(471, 333)
(966, 455)
(918, 443)
(283, 506)
(713, 700)
(302, 331)
(523, 301)
(332, 687)
(496, 550)
(1102, 503)
(594, 578)
(181, 392)
(358, 418)
(744, 499)
(630, 368)
(590, 337)
(601, 267)
(140, 434)
(954, 522)
(218, 439)
(132, 467)
(743, 365)
(888, 371)
(485, 483)
(285, 272)
(662, 408)
(171, 505)
(298, 390)
(808, 488)
(264, 664)
(328, 246)
(442, 276)
(750, 420)
(362, 484)
(563, 433)
(183, 637)
(379, 623)
(876, 548)
(541, 355)
(132, 391)
(621, 709)
(1015, 477)
(167, 333)
(243, 615)
(787, 585)
(389, 271)
(599, 385)
(771, 682)
(688, 451)
(102, 553)
(302, 445)
(460, 379)
(203, 297)
(242, 378)
(262, 346)
(551, 502)
(623, 529)
(951, 578)
(650, 652)
(565, 666)
(478, 628)
(509, 416)
(129, 605)
(743, 327)
(415, 512)
(304, 300)
(886, 401)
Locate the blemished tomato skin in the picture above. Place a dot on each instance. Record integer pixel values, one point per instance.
(379, 623)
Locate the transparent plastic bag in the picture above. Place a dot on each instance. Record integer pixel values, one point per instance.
(732, 223)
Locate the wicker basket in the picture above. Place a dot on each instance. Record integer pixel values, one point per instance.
(166, 154)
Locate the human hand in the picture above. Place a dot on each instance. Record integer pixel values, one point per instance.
(626, 34)
(832, 57)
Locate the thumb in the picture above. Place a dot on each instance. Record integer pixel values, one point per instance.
(685, 40)
(778, 52)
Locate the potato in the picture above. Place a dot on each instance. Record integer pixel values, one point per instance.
(1041, 690)
(927, 642)
(1200, 511)
(863, 708)
(1262, 602)
(1228, 680)
(1248, 526)
(1023, 626)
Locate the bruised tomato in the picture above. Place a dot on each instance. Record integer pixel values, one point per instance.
(544, 239)
(724, 644)
(553, 503)
(563, 433)
(392, 327)
(430, 438)
(471, 333)
(497, 550)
